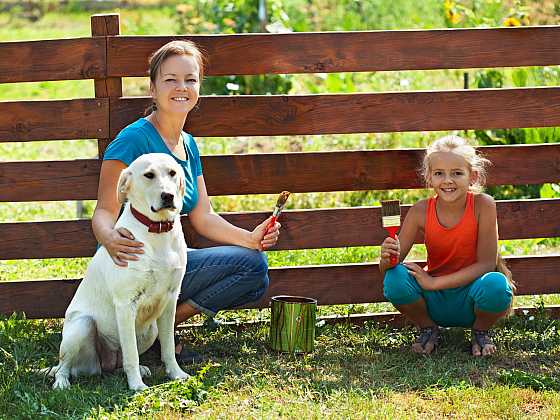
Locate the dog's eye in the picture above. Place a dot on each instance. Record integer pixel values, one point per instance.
(149, 175)
(172, 173)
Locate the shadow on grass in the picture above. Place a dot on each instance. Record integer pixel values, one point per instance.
(365, 359)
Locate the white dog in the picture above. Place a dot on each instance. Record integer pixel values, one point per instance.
(125, 308)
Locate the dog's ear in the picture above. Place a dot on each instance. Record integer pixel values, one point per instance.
(125, 180)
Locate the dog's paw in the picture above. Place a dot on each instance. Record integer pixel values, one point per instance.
(145, 371)
(61, 382)
(138, 387)
(178, 374)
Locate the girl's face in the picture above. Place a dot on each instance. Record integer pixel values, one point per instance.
(450, 176)
(177, 86)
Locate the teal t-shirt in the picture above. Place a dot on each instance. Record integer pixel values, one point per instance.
(141, 137)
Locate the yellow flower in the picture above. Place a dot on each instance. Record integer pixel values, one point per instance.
(511, 21)
(450, 14)
(229, 22)
(184, 8)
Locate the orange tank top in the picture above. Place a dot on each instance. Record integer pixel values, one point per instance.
(450, 249)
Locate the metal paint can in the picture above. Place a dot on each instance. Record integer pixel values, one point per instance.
(292, 324)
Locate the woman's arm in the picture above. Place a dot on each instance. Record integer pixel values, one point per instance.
(486, 252)
(214, 227)
(401, 246)
(119, 243)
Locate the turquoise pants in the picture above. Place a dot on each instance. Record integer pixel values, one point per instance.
(455, 307)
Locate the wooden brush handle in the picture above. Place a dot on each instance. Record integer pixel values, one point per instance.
(271, 223)
(392, 230)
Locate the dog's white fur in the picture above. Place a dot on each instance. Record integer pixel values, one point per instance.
(125, 308)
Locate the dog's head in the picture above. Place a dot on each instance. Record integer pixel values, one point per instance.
(154, 184)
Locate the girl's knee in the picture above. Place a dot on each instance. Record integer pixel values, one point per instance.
(399, 287)
(493, 293)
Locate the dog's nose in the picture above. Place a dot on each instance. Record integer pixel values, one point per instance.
(167, 199)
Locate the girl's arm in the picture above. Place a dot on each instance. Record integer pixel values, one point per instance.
(120, 242)
(214, 227)
(486, 252)
(401, 246)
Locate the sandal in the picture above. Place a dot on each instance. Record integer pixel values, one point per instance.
(428, 336)
(482, 338)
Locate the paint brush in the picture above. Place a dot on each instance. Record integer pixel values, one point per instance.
(282, 198)
(391, 220)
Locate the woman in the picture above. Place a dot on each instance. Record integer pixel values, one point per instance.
(216, 278)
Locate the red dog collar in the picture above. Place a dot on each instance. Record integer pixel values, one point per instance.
(153, 227)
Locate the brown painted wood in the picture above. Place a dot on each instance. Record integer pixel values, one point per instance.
(361, 112)
(306, 229)
(49, 181)
(352, 283)
(61, 59)
(351, 51)
(109, 87)
(54, 120)
(296, 172)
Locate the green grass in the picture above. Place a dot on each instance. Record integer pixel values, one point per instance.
(355, 371)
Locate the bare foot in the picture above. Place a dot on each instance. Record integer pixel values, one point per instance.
(427, 340)
(482, 344)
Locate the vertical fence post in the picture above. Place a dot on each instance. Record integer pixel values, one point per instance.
(108, 87)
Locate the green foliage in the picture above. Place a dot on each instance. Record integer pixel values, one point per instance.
(235, 16)
(521, 379)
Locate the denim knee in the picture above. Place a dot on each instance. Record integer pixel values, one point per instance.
(257, 266)
(492, 292)
(399, 287)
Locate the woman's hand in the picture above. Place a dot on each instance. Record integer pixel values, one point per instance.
(425, 281)
(390, 247)
(263, 238)
(122, 247)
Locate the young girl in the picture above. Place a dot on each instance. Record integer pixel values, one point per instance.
(460, 285)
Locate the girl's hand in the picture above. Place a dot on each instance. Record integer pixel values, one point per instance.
(122, 247)
(390, 247)
(263, 238)
(425, 281)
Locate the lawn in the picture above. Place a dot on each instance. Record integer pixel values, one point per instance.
(364, 371)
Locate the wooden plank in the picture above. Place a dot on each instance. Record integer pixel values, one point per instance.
(304, 229)
(272, 115)
(49, 181)
(54, 120)
(353, 283)
(351, 51)
(109, 87)
(296, 172)
(61, 59)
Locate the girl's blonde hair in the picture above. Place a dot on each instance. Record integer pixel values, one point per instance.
(459, 146)
(172, 48)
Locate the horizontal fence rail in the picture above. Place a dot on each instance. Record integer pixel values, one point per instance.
(350, 51)
(303, 229)
(54, 120)
(271, 115)
(60, 59)
(330, 285)
(296, 172)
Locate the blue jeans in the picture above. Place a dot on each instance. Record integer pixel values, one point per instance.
(454, 307)
(223, 277)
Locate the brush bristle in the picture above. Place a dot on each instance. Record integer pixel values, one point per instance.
(282, 198)
(390, 208)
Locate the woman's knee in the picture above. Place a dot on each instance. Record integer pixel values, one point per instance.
(399, 287)
(256, 264)
(492, 292)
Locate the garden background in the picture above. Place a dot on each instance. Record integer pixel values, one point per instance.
(356, 371)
